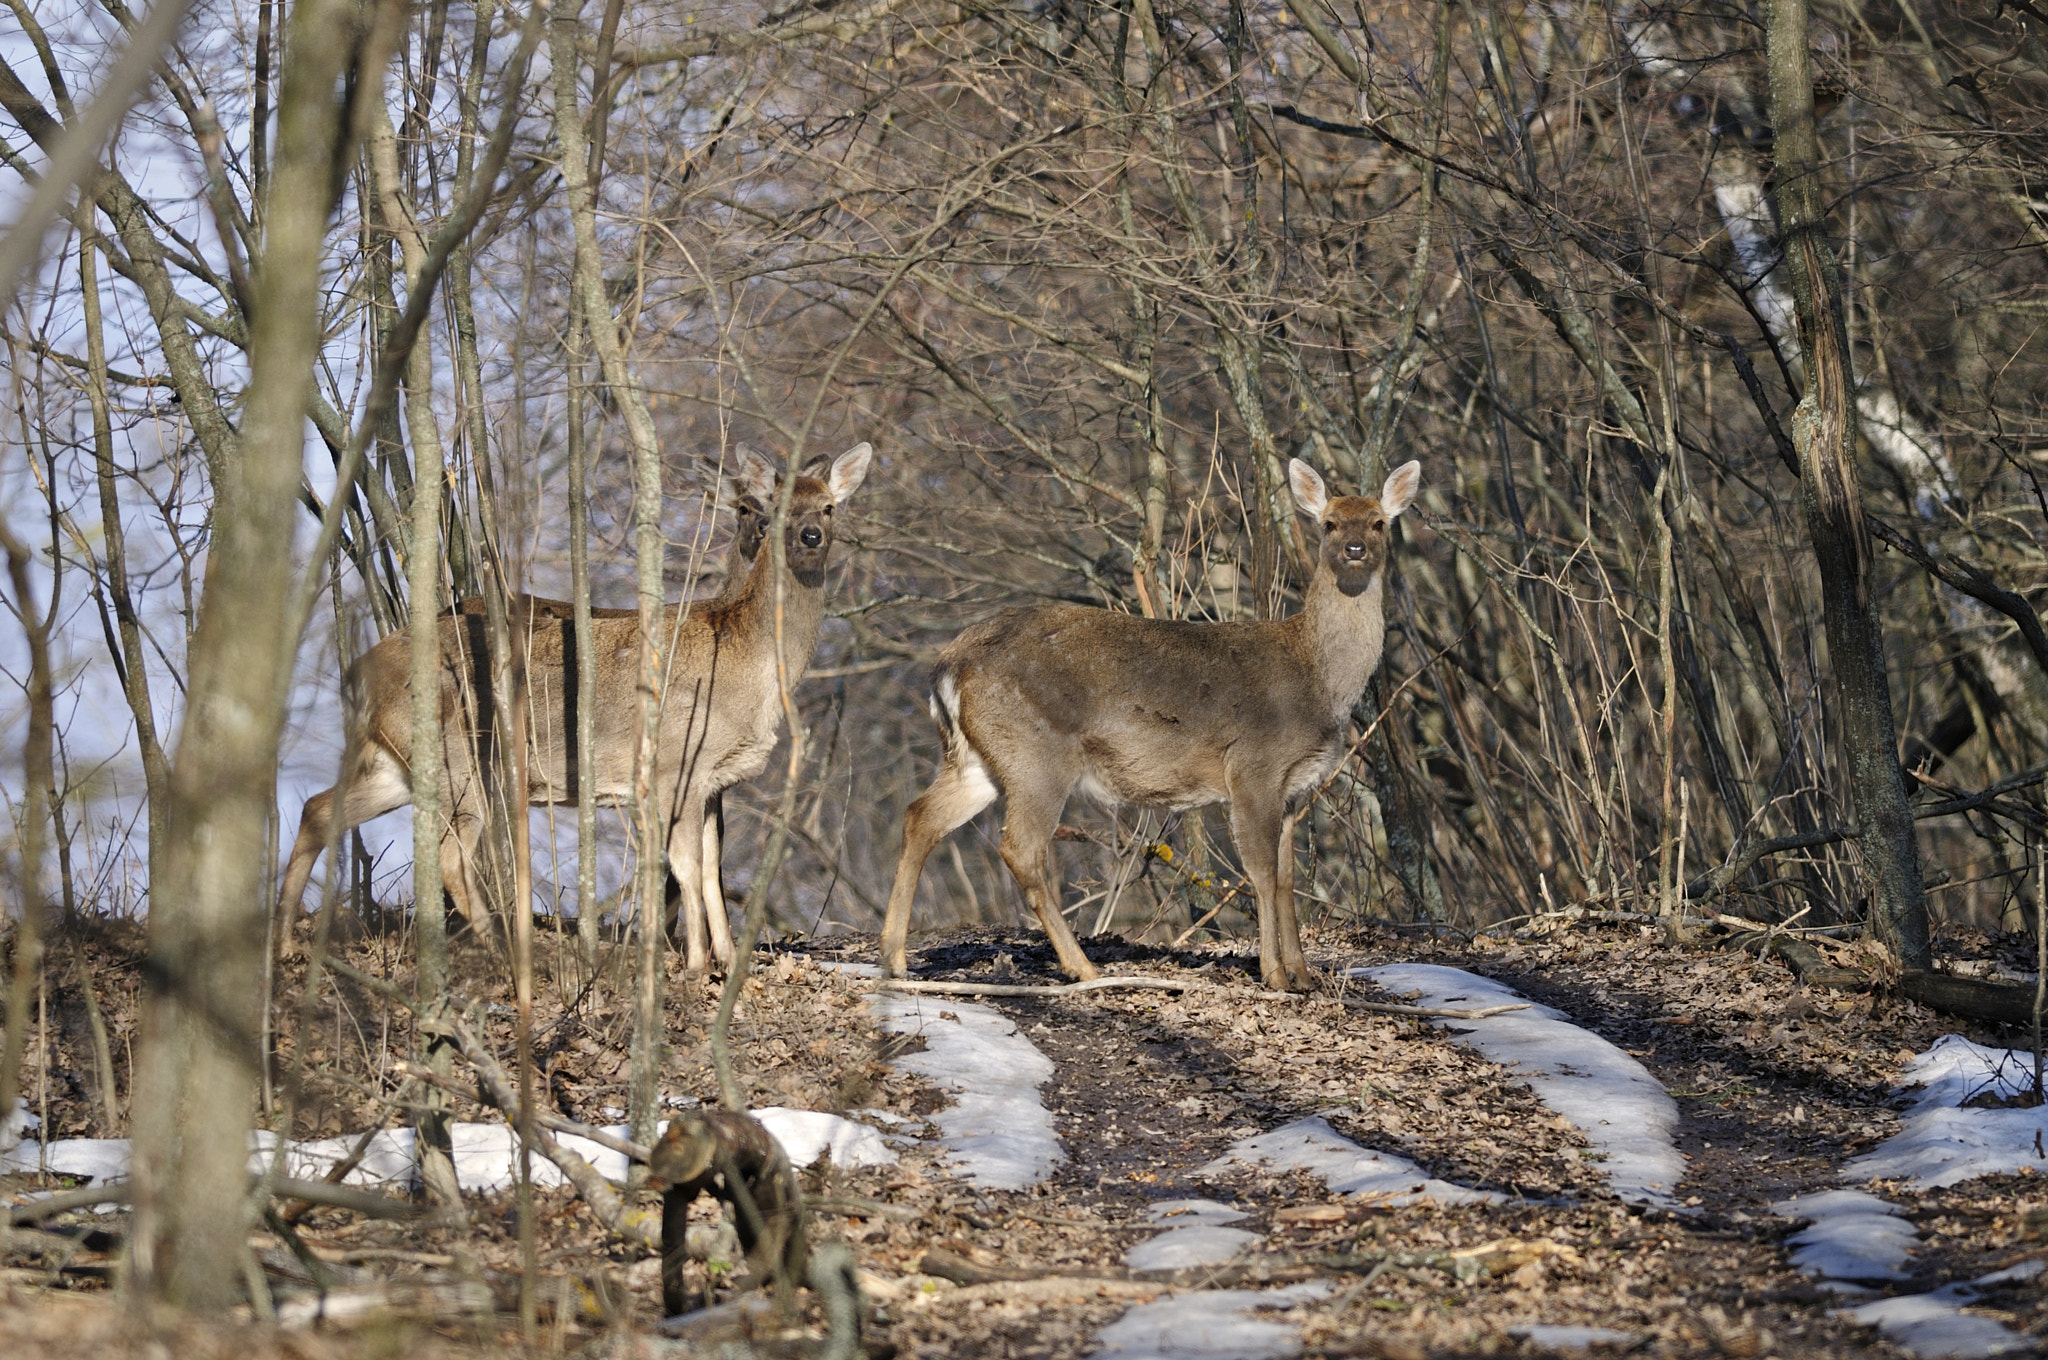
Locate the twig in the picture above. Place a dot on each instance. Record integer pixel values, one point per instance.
(547, 1119)
(1433, 1012)
(635, 1225)
(1715, 881)
(368, 1203)
(853, 1206)
(1072, 988)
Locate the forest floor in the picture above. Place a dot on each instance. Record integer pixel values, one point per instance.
(1777, 1087)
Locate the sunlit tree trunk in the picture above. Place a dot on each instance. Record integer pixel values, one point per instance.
(1824, 430)
(200, 1051)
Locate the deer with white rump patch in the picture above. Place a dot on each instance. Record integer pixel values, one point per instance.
(1038, 701)
(720, 716)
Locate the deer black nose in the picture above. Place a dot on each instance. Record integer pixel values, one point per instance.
(811, 536)
(1355, 551)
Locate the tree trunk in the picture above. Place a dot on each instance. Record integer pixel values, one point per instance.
(201, 1049)
(1824, 431)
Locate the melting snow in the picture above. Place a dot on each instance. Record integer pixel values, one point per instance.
(998, 1132)
(1563, 1338)
(1933, 1326)
(1940, 1143)
(807, 1135)
(1212, 1325)
(1312, 1145)
(1200, 1244)
(1619, 1106)
(1855, 1236)
(1197, 1237)
(484, 1153)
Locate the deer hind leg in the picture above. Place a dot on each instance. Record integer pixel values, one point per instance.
(1033, 814)
(377, 785)
(458, 867)
(963, 788)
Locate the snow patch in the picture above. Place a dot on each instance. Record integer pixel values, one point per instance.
(484, 1153)
(1932, 1326)
(1623, 1111)
(1183, 1212)
(807, 1135)
(997, 1131)
(15, 1127)
(1200, 1244)
(1854, 1236)
(1571, 1338)
(1311, 1145)
(1940, 1143)
(1210, 1325)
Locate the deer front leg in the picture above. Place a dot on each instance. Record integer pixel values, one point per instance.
(1301, 977)
(960, 791)
(1255, 823)
(1027, 839)
(716, 919)
(685, 845)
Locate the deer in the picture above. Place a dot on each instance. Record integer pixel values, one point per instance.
(1040, 700)
(749, 532)
(721, 710)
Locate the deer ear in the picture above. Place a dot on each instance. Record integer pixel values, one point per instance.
(1310, 495)
(753, 474)
(1399, 492)
(847, 471)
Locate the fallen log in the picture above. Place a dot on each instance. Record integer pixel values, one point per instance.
(368, 1203)
(1806, 962)
(1995, 1003)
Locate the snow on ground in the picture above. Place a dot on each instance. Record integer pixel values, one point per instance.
(1933, 1326)
(1623, 1111)
(484, 1153)
(807, 1135)
(1556, 1337)
(1940, 1143)
(1311, 1145)
(998, 1133)
(1198, 1236)
(1210, 1325)
(1854, 1236)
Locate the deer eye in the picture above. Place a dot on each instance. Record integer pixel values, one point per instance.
(1329, 526)
(828, 508)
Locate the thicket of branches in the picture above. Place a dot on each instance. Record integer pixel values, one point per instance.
(1087, 274)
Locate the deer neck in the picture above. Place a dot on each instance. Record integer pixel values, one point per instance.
(1344, 635)
(803, 612)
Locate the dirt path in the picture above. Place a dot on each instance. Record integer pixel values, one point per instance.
(1148, 1090)
(1777, 1088)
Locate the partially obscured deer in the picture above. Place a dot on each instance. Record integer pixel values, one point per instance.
(749, 532)
(721, 708)
(1037, 701)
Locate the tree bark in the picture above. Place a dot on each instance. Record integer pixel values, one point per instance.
(201, 1051)
(1824, 432)
(603, 329)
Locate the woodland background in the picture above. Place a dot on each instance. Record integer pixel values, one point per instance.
(1087, 275)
